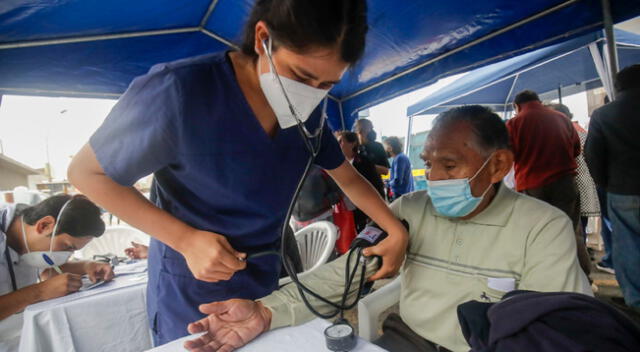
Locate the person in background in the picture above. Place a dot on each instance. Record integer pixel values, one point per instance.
(54, 227)
(589, 205)
(137, 251)
(369, 148)
(318, 195)
(612, 152)
(349, 144)
(545, 147)
(401, 178)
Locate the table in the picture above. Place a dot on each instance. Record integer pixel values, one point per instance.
(110, 317)
(307, 337)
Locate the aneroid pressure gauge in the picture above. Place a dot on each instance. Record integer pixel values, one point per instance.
(340, 337)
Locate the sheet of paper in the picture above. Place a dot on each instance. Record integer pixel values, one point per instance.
(87, 284)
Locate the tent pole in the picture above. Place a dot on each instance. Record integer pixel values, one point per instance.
(506, 100)
(407, 143)
(344, 126)
(559, 94)
(611, 41)
(605, 78)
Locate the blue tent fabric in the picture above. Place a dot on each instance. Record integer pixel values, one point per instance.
(95, 48)
(568, 65)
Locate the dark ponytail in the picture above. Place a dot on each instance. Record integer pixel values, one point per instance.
(300, 24)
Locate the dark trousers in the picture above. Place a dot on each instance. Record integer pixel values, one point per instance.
(398, 337)
(563, 194)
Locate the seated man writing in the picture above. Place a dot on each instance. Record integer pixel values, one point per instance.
(471, 238)
(53, 228)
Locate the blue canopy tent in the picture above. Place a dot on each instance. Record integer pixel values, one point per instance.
(95, 48)
(569, 67)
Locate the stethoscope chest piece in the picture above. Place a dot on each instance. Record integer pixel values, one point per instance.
(340, 337)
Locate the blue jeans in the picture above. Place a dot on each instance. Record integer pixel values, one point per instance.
(605, 232)
(624, 212)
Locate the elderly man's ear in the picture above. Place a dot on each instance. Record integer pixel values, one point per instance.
(501, 164)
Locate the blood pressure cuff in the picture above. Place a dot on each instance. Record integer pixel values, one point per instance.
(286, 305)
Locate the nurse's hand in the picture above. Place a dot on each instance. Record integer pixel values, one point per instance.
(210, 257)
(98, 271)
(60, 285)
(392, 250)
(230, 325)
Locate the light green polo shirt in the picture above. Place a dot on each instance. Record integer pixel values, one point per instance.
(517, 242)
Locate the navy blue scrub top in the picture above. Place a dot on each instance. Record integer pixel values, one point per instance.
(215, 168)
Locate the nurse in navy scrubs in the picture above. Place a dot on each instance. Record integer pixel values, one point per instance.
(218, 133)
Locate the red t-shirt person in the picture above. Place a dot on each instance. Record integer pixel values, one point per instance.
(544, 143)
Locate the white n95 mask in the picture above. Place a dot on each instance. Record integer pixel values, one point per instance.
(291, 101)
(43, 259)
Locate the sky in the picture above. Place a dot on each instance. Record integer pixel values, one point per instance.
(27, 123)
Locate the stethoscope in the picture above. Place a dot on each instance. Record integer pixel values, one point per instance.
(306, 135)
(340, 335)
(12, 273)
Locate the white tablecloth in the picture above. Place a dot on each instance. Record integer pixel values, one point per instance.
(110, 317)
(308, 337)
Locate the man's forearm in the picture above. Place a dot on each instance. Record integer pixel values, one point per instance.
(286, 304)
(17, 301)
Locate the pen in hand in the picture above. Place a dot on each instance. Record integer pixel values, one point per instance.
(50, 262)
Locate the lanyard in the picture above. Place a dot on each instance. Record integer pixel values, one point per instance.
(10, 266)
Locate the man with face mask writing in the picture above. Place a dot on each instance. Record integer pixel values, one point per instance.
(471, 238)
(35, 239)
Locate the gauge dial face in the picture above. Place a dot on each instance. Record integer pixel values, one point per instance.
(339, 330)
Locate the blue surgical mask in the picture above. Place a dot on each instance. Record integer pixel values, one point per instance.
(453, 198)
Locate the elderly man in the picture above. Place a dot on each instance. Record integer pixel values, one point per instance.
(471, 238)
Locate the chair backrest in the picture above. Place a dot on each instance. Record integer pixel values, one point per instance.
(316, 242)
(114, 241)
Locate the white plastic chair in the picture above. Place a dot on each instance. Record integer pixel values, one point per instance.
(315, 243)
(370, 307)
(114, 241)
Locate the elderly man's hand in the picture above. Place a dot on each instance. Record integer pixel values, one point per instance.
(230, 325)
